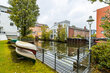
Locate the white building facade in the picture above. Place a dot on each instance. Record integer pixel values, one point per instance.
(7, 27)
(54, 28)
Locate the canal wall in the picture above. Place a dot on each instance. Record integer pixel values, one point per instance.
(69, 40)
(76, 40)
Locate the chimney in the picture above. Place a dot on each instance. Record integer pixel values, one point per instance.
(84, 27)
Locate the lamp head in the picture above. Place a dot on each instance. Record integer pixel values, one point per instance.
(90, 20)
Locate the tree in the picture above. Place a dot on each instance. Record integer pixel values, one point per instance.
(43, 29)
(45, 33)
(58, 32)
(105, 1)
(93, 35)
(48, 34)
(95, 0)
(24, 14)
(106, 23)
(61, 33)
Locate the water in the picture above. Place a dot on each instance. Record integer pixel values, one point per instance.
(66, 57)
(60, 48)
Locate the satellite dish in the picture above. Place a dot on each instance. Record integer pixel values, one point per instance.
(107, 1)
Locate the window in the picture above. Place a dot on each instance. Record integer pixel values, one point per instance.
(17, 28)
(34, 32)
(102, 32)
(103, 18)
(102, 24)
(54, 31)
(11, 24)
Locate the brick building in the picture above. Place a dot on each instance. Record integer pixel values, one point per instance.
(100, 15)
(74, 31)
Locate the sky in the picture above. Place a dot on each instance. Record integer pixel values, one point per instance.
(76, 11)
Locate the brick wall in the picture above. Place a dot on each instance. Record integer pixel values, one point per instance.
(100, 14)
(71, 32)
(75, 32)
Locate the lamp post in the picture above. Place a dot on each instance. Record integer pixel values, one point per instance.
(90, 20)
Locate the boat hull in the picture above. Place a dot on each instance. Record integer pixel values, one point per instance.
(27, 46)
(26, 53)
(33, 51)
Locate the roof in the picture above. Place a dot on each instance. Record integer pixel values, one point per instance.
(3, 6)
(65, 21)
(39, 25)
(104, 7)
(77, 28)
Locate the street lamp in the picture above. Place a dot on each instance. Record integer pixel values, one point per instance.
(90, 20)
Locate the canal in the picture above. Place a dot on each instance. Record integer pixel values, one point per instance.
(60, 48)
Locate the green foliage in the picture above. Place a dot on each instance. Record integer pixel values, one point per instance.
(106, 24)
(48, 35)
(101, 55)
(24, 14)
(45, 33)
(61, 33)
(78, 36)
(95, 0)
(27, 38)
(93, 35)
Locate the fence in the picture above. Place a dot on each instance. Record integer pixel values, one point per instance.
(66, 64)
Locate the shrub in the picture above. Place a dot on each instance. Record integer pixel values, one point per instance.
(27, 38)
(93, 35)
(101, 55)
(78, 36)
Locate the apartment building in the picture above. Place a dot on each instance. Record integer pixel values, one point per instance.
(100, 16)
(7, 28)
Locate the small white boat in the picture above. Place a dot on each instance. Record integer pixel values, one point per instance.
(25, 53)
(27, 46)
(26, 49)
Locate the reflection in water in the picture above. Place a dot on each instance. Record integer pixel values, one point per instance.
(60, 48)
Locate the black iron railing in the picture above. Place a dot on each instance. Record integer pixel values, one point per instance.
(66, 64)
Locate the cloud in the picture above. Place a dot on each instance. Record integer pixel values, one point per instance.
(77, 11)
